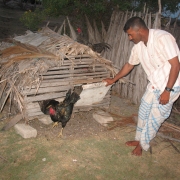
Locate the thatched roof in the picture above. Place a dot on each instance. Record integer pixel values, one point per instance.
(32, 54)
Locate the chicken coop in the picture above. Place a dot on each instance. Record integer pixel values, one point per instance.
(45, 65)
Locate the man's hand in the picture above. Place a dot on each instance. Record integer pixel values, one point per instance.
(123, 72)
(164, 97)
(109, 81)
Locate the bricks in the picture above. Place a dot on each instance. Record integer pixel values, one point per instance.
(45, 119)
(102, 117)
(25, 131)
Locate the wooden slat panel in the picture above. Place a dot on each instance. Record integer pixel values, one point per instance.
(76, 75)
(73, 62)
(35, 105)
(101, 105)
(44, 97)
(73, 79)
(77, 59)
(77, 66)
(49, 83)
(76, 71)
(80, 56)
(46, 90)
(83, 80)
(63, 82)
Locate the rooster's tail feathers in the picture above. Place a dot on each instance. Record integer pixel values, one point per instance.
(68, 95)
(78, 89)
(74, 97)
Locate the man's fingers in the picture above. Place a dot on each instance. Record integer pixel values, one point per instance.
(108, 81)
(105, 82)
(163, 102)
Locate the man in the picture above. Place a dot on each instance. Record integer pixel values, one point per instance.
(159, 56)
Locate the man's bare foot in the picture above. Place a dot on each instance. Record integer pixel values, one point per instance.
(132, 143)
(137, 151)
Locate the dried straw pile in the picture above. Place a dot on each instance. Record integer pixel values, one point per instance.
(44, 65)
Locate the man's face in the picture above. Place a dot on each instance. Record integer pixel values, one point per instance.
(134, 35)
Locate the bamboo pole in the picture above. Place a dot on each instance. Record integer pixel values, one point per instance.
(90, 31)
(98, 37)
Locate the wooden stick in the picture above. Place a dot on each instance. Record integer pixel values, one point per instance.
(166, 124)
(44, 96)
(77, 70)
(75, 75)
(7, 95)
(46, 90)
(81, 65)
(167, 137)
(175, 111)
(3, 158)
(174, 147)
(2, 88)
(13, 120)
(64, 82)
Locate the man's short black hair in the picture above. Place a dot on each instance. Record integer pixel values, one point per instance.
(134, 22)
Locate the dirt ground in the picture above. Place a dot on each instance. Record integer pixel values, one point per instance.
(88, 150)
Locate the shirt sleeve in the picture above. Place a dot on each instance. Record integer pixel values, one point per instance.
(133, 59)
(168, 46)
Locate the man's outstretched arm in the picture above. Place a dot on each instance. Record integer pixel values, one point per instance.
(123, 72)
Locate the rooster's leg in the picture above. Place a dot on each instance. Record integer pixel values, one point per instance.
(61, 133)
(55, 124)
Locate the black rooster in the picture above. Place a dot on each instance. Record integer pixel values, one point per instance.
(98, 47)
(61, 111)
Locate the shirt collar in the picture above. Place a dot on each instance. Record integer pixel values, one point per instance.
(150, 37)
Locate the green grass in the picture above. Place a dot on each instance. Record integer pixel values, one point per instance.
(101, 157)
